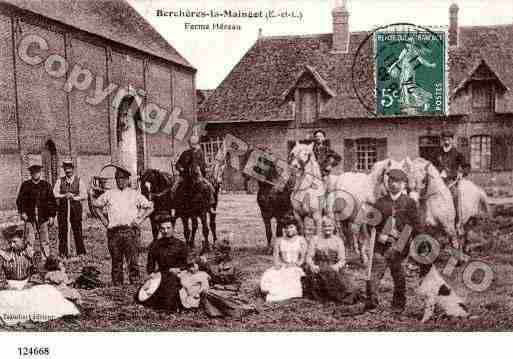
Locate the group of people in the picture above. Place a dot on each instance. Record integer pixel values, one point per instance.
(40, 205)
(47, 296)
(317, 266)
(314, 266)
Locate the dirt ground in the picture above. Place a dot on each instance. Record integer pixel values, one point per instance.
(113, 308)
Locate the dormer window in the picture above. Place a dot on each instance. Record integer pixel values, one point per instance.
(482, 84)
(482, 96)
(308, 105)
(306, 95)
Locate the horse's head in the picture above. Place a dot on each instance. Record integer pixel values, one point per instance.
(300, 155)
(154, 181)
(423, 173)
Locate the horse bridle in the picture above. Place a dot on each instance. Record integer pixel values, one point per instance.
(304, 165)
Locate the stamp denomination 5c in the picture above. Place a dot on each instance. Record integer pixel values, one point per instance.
(410, 72)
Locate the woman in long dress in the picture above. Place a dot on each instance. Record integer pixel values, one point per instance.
(411, 95)
(283, 280)
(21, 302)
(325, 263)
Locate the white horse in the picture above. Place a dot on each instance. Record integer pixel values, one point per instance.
(438, 205)
(307, 196)
(341, 197)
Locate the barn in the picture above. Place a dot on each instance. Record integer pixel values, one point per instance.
(69, 69)
(284, 87)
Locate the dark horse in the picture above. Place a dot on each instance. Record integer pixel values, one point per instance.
(189, 203)
(274, 203)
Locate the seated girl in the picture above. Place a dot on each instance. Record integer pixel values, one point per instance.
(326, 259)
(283, 280)
(194, 283)
(56, 276)
(20, 302)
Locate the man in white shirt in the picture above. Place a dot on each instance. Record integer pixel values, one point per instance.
(70, 191)
(126, 210)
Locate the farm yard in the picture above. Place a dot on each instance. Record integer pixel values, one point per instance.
(113, 308)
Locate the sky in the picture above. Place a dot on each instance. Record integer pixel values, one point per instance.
(215, 53)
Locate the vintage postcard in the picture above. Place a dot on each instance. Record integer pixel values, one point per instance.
(256, 166)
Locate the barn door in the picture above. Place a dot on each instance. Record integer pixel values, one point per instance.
(50, 161)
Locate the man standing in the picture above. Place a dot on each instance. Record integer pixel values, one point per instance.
(325, 156)
(192, 168)
(398, 211)
(452, 166)
(167, 252)
(37, 207)
(126, 210)
(70, 191)
(449, 161)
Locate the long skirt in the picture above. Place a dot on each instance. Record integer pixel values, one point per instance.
(330, 286)
(161, 292)
(282, 284)
(40, 303)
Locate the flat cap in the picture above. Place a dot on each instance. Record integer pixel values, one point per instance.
(121, 172)
(397, 175)
(12, 231)
(67, 163)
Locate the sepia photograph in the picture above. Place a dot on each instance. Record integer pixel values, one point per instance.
(255, 166)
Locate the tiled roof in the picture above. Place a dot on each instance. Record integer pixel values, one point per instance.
(254, 88)
(115, 20)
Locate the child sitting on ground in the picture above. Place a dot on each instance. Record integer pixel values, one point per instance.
(194, 282)
(56, 276)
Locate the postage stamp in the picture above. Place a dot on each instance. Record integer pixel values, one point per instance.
(410, 72)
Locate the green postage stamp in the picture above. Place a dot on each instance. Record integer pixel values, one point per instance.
(410, 73)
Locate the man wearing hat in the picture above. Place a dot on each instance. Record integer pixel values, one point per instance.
(70, 190)
(398, 210)
(325, 156)
(192, 167)
(452, 166)
(449, 161)
(37, 206)
(126, 210)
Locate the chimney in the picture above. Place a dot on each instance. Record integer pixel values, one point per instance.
(453, 25)
(260, 33)
(340, 27)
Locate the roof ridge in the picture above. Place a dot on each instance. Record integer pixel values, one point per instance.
(305, 36)
(485, 26)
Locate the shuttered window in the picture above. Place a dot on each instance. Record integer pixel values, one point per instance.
(502, 153)
(480, 152)
(482, 96)
(309, 105)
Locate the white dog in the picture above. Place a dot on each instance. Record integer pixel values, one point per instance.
(437, 291)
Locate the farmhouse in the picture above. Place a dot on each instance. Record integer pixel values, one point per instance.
(286, 86)
(122, 62)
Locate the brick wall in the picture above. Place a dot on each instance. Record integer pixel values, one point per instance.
(402, 138)
(10, 179)
(47, 113)
(158, 92)
(42, 104)
(89, 123)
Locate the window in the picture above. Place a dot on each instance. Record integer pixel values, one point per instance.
(366, 153)
(428, 146)
(482, 96)
(480, 152)
(309, 105)
(210, 148)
